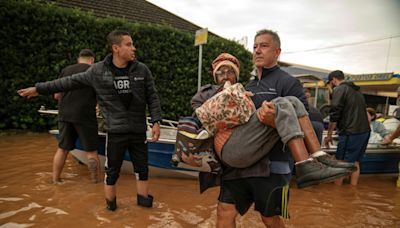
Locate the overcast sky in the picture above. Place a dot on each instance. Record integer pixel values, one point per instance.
(351, 35)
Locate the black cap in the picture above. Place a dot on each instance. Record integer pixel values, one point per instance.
(336, 74)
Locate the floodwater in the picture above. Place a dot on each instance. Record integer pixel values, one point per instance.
(28, 199)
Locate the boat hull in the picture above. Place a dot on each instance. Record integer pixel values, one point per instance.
(160, 154)
(378, 160)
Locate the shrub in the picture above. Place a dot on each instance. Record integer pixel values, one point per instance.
(39, 39)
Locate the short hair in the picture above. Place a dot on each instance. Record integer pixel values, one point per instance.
(115, 37)
(338, 74)
(275, 36)
(86, 53)
(372, 113)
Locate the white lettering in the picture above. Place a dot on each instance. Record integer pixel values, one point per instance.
(126, 84)
(121, 84)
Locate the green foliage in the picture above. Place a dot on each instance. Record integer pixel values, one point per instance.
(40, 39)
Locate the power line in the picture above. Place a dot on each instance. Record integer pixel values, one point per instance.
(341, 45)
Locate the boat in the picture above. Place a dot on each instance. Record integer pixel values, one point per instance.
(380, 90)
(378, 159)
(160, 152)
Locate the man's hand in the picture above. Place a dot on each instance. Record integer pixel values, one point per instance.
(57, 96)
(28, 92)
(387, 140)
(327, 141)
(155, 132)
(266, 114)
(248, 93)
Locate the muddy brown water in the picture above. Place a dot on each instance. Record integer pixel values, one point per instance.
(28, 199)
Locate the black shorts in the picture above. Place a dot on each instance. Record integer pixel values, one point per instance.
(135, 144)
(69, 133)
(269, 194)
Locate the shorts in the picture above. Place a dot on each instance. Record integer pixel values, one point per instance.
(351, 148)
(269, 194)
(69, 133)
(135, 144)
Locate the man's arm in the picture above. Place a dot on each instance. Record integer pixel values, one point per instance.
(337, 104)
(28, 92)
(328, 139)
(335, 112)
(152, 98)
(389, 138)
(154, 105)
(57, 96)
(267, 114)
(76, 81)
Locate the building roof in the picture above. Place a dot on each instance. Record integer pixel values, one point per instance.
(298, 70)
(139, 11)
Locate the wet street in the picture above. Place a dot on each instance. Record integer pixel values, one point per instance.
(28, 199)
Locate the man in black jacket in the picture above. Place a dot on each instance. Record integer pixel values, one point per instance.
(124, 88)
(77, 118)
(348, 114)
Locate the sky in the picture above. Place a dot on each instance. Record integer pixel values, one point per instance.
(355, 36)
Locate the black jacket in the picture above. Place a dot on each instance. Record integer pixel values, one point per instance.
(118, 118)
(348, 109)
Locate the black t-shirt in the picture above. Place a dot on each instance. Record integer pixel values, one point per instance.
(122, 83)
(71, 106)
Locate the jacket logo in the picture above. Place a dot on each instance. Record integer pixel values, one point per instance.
(138, 78)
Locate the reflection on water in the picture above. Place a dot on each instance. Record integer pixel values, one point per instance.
(28, 199)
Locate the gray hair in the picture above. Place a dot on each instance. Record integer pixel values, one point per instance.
(275, 36)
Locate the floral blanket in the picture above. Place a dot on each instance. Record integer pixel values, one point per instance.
(227, 109)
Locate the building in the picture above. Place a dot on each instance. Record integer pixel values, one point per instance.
(139, 11)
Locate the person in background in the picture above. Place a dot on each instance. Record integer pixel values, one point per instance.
(396, 113)
(125, 89)
(348, 114)
(317, 120)
(389, 139)
(77, 118)
(378, 130)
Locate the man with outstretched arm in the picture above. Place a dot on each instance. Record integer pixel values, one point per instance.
(125, 88)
